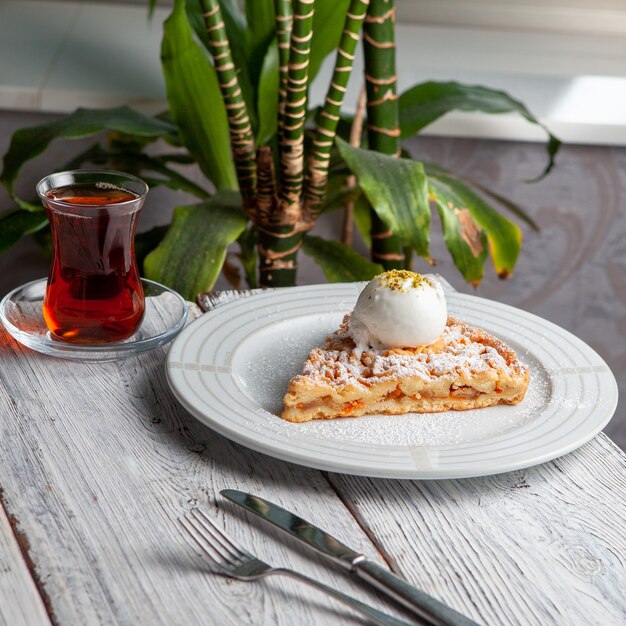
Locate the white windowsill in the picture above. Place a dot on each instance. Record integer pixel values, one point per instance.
(58, 56)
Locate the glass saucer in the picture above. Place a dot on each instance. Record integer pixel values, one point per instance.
(21, 314)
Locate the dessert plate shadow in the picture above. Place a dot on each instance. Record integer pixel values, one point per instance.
(230, 369)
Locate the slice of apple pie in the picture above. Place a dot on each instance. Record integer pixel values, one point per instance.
(465, 368)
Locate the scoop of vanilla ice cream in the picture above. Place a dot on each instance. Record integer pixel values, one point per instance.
(399, 309)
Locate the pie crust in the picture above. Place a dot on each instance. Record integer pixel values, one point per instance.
(466, 368)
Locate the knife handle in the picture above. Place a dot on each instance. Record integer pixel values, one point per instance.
(423, 605)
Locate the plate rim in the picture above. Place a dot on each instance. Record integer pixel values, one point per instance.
(307, 459)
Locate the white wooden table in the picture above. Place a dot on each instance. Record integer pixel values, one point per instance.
(98, 460)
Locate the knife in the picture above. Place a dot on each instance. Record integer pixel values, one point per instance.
(423, 605)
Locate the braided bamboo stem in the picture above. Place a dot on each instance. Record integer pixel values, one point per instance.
(266, 184)
(292, 138)
(383, 130)
(328, 118)
(284, 19)
(279, 227)
(240, 127)
(278, 246)
(277, 242)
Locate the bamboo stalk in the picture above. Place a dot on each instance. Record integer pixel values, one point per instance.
(328, 118)
(278, 246)
(292, 137)
(240, 127)
(283, 34)
(383, 130)
(284, 19)
(266, 184)
(280, 230)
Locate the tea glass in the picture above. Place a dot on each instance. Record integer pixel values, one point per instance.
(94, 292)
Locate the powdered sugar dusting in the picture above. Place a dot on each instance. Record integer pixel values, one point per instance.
(453, 355)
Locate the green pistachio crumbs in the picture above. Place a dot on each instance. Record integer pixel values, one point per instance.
(400, 280)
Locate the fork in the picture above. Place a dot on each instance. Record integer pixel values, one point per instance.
(238, 563)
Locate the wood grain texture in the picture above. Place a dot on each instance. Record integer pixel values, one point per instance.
(542, 546)
(20, 602)
(99, 460)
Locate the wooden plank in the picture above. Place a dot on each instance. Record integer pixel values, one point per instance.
(99, 460)
(20, 602)
(542, 546)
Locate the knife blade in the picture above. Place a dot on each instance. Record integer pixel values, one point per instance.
(416, 600)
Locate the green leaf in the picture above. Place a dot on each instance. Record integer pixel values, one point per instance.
(95, 155)
(31, 207)
(123, 142)
(424, 103)
(14, 225)
(175, 185)
(328, 23)
(171, 178)
(248, 255)
(240, 47)
(140, 164)
(466, 242)
(363, 220)
(261, 20)
(340, 263)
(147, 241)
(191, 255)
(235, 24)
(27, 143)
(503, 236)
(397, 191)
(340, 199)
(195, 99)
(267, 100)
(516, 209)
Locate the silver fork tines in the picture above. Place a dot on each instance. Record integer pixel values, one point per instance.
(237, 562)
(231, 558)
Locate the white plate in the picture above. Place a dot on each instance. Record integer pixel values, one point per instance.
(230, 369)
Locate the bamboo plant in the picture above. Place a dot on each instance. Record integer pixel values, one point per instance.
(383, 125)
(283, 205)
(238, 79)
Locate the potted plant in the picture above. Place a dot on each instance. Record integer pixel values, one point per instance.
(237, 88)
